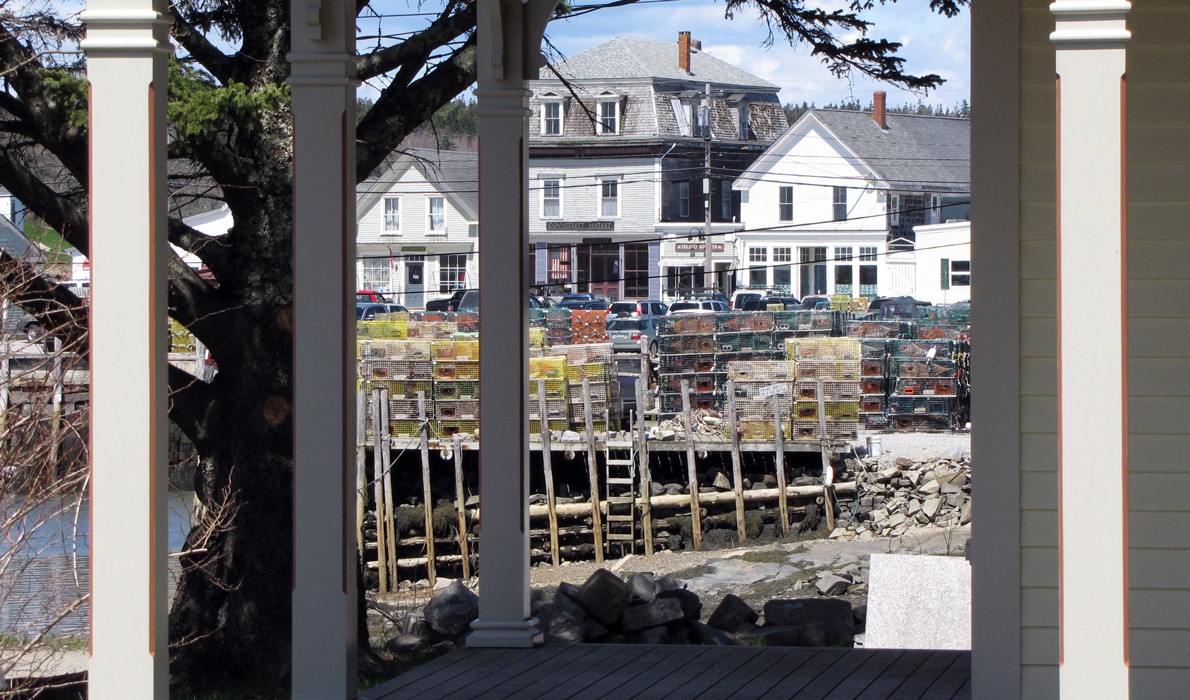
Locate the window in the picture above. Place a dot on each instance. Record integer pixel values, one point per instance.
(745, 128)
(392, 214)
(956, 273)
(868, 253)
(894, 209)
(725, 200)
(609, 198)
(682, 280)
(609, 116)
(551, 199)
(867, 280)
(436, 208)
(684, 198)
(843, 279)
(559, 265)
(758, 273)
(783, 274)
(840, 201)
(452, 272)
(377, 274)
(786, 211)
(636, 270)
(843, 253)
(551, 118)
(935, 209)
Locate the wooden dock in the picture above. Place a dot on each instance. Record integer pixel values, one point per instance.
(675, 672)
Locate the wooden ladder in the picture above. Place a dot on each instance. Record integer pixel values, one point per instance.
(620, 482)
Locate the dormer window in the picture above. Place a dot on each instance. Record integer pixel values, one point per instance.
(609, 115)
(551, 118)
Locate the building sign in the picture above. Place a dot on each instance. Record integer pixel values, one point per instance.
(580, 226)
(698, 247)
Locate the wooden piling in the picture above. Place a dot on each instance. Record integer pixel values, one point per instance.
(427, 497)
(390, 523)
(737, 469)
(361, 477)
(779, 460)
(692, 470)
(592, 472)
(828, 472)
(461, 507)
(547, 465)
(379, 445)
(642, 454)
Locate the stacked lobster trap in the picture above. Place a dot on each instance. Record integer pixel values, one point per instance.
(404, 367)
(686, 346)
(827, 387)
(564, 370)
(754, 384)
(456, 387)
(548, 373)
(873, 383)
(925, 384)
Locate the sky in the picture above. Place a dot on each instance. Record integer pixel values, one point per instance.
(931, 44)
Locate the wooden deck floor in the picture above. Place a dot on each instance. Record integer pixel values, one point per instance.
(676, 672)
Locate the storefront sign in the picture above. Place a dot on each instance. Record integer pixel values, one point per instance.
(580, 226)
(698, 247)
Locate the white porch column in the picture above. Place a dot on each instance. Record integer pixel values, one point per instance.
(1090, 36)
(510, 34)
(127, 47)
(324, 558)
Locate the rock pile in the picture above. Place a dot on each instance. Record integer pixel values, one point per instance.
(894, 494)
(648, 609)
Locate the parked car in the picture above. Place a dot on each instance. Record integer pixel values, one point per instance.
(816, 302)
(586, 304)
(697, 306)
(646, 307)
(469, 301)
(769, 303)
(896, 307)
(371, 296)
(367, 312)
(739, 296)
(448, 304)
(626, 332)
(714, 296)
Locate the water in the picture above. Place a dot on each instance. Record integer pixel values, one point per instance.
(45, 563)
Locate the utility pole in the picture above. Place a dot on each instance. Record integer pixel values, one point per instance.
(708, 268)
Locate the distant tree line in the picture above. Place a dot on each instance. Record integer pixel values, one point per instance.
(961, 109)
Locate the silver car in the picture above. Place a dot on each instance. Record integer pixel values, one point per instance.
(626, 332)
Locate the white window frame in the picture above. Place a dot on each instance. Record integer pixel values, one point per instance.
(785, 208)
(894, 209)
(604, 200)
(603, 119)
(545, 190)
(758, 266)
(391, 220)
(431, 230)
(684, 198)
(373, 270)
(839, 203)
(457, 272)
(843, 253)
(869, 253)
(935, 208)
(546, 119)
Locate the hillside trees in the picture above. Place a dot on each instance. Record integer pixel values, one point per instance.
(231, 144)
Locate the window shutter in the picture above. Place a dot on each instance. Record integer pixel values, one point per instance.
(945, 273)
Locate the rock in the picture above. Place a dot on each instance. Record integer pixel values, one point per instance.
(965, 514)
(410, 643)
(566, 599)
(931, 507)
(689, 600)
(570, 436)
(931, 487)
(605, 596)
(652, 635)
(593, 631)
(668, 583)
(653, 614)
(642, 587)
(831, 585)
(452, 609)
(559, 626)
(904, 462)
(721, 482)
(732, 614)
(702, 633)
(835, 617)
(859, 614)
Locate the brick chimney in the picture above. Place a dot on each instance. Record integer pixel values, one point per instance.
(684, 52)
(878, 112)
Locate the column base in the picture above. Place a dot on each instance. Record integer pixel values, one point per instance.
(520, 634)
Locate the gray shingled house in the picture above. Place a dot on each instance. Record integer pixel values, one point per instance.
(618, 153)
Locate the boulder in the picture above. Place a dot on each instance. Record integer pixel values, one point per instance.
(559, 626)
(689, 600)
(830, 585)
(451, 610)
(702, 633)
(732, 614)
(605, 596)
(653, 614)
(593, 631)
(642, 587)
(834, 616)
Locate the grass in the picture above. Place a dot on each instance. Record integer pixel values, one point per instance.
(765, 556)
(65, 643)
